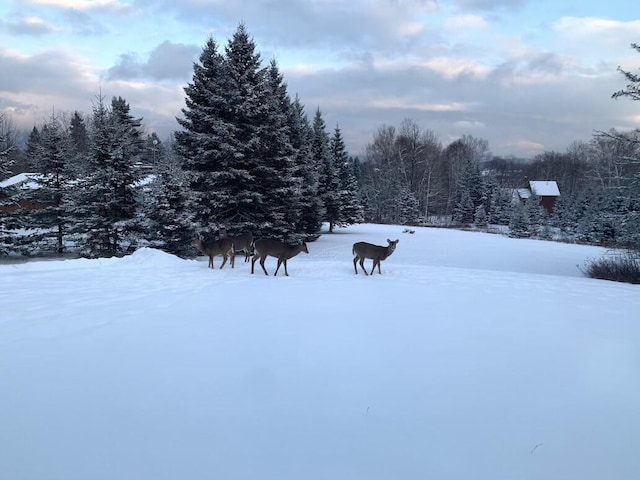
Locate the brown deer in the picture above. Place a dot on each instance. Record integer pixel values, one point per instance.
(242, 242)
(211, 248)
(363, 250)
(265, 247)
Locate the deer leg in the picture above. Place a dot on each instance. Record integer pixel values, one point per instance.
(253, 261)
(210, 261)
(355, 263)
(278, 267)
(373, 267)
(233, 258)
(362, 266)
(285, 268)
(262, 259)
(224, 260)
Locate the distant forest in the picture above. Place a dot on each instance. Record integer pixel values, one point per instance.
(246, 156)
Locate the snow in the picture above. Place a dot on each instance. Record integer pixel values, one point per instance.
(544, 188)
(473, 356)
(26, 181)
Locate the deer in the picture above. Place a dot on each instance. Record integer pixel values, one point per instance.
(377, 253)
(211, 248)
(265, 247)
(242, 242)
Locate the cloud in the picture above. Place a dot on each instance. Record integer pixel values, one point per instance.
(166, 61)
(489, 5)
(82, 5)
(30, 26)
(592, 27)
(462, 23)
(83, 24)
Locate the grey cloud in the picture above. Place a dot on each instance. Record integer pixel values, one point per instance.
(339, 27)
(84, 24)
(42, 73)
(25, 27)
(167, 61)
(490, 5)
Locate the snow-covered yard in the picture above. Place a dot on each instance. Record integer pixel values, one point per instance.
(473, 356)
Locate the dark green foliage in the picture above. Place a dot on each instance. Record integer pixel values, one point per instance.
(242, 146)
(52, 158)
(306, 172)
(106, 193)
(519, 226)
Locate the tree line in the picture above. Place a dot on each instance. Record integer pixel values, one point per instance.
(248, 157)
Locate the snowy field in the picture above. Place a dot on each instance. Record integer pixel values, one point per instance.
(473, 356)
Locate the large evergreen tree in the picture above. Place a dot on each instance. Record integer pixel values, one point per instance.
(207, 144)
(170, 223)
(329, 184)
(52, 159)
(275, 175)
(351, 210)
(306, 171)
(107, 199)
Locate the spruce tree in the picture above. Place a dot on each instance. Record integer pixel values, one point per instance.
(351, 210)
(206, 144)
(6, 221)
(170, 223)
(275, 176)
(248, 98)
(52, 158)
(107, 199)
(306, 171)
(329, 183)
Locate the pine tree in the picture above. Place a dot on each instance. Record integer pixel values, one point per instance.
(480, 217)
(32, 151)
(519, 226)
(170, 226)
(6, 221)
(54, 186)
(79, 143)
(329, 183)
(310, 204)
(107, 192)
(248, 97)
(275, 173)
(351, 210)
(207, 144)
(408, 207)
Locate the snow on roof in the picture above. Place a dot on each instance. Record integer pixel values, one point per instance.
(523, 192)
(22, 180)
(544, 188)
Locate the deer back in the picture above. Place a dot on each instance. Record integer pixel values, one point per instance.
(214, 247)
(375, 252)
(277, 248)
(242, 241)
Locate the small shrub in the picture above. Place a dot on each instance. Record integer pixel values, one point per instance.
(619, 268)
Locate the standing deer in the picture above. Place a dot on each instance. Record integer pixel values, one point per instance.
(242, 242)
(211, 248)
(282, 251)
(363, 250)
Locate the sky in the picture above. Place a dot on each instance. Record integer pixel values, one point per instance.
(527, 76)
(479, 357)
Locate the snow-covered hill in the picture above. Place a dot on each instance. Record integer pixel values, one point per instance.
(472, 356)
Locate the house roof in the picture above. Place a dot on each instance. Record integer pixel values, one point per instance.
(22, 180)
(523, 192)
(544, 188)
